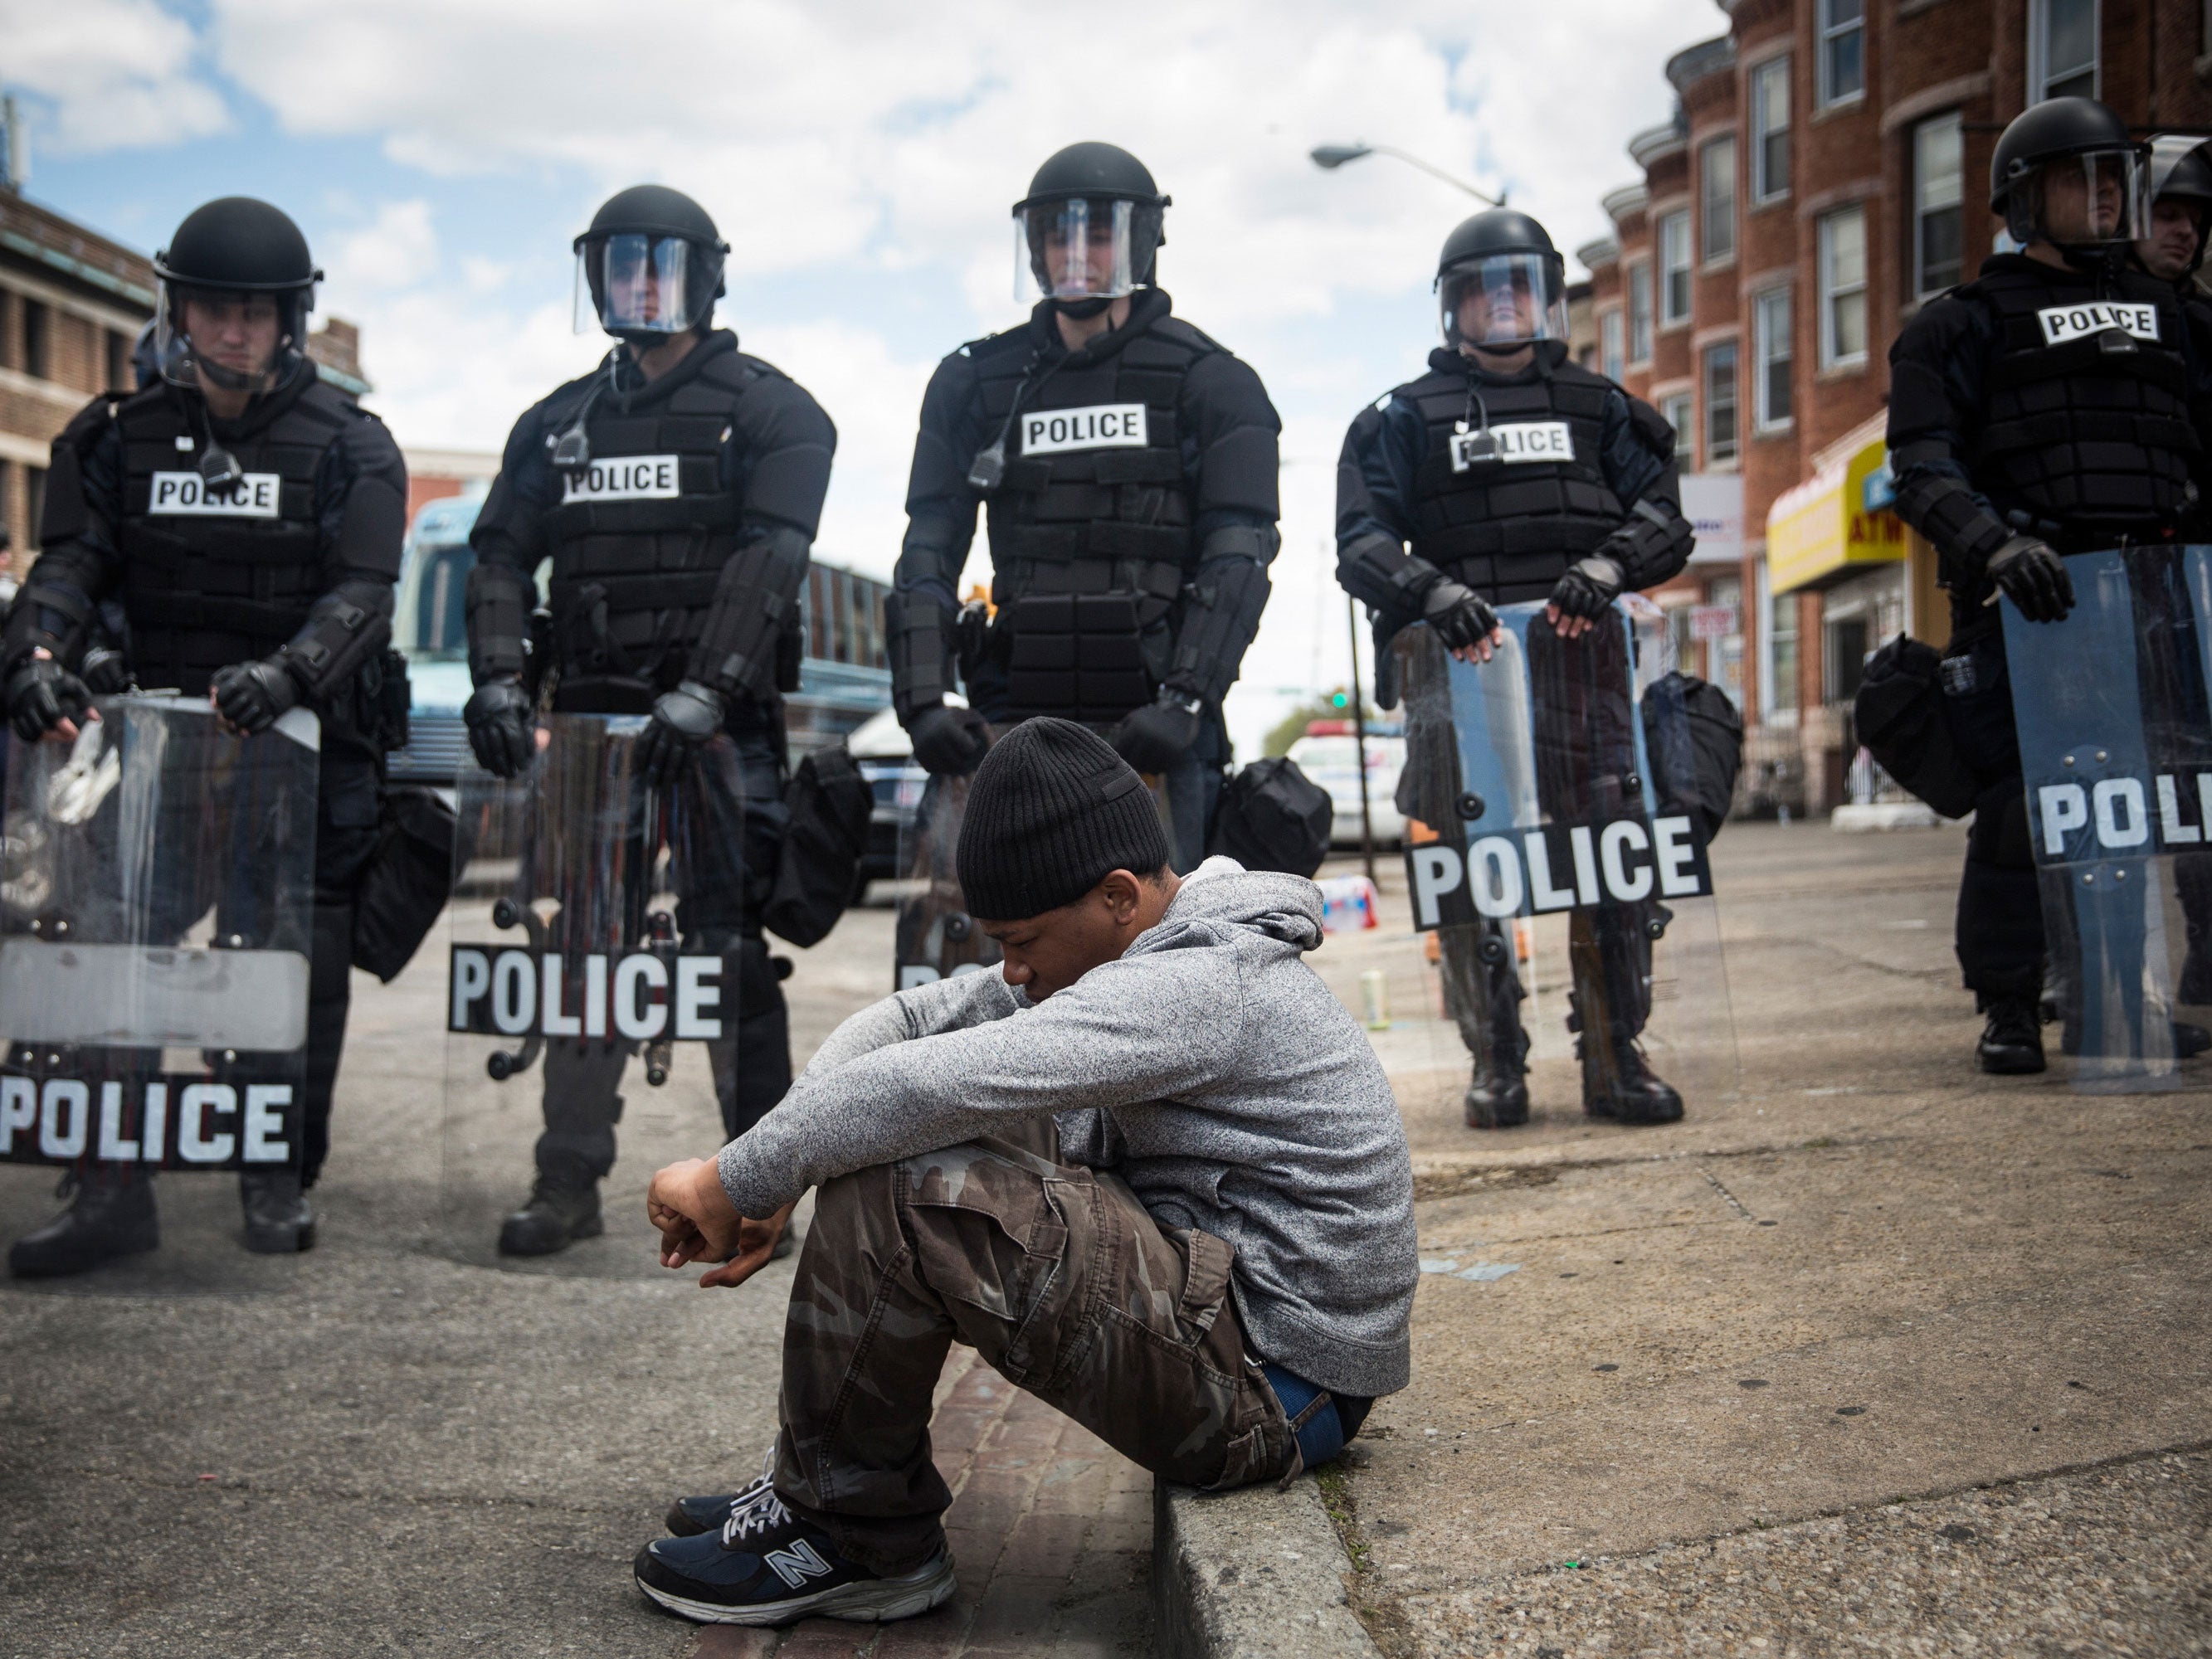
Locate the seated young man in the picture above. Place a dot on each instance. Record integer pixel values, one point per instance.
(1210, 1266)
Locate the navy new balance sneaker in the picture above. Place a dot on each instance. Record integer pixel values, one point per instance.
(768, 1567)
(688, 1517)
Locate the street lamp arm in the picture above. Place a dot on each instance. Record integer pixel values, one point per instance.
(1329, 157)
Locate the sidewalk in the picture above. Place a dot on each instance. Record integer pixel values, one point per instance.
(1881, 1355)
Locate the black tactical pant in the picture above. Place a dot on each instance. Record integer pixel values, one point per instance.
(349, 817)
(1999, 931)
(720, 888)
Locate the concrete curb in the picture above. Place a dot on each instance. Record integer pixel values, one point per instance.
(1243, 1574)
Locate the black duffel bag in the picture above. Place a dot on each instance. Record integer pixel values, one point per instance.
(405, 883)
(1273, 817)
(1901, 718)
(1695, 739)
(818, 873)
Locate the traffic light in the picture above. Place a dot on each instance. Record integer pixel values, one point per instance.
(1339, 699)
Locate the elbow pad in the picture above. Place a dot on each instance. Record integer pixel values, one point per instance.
(1379, 572)
(498, 602)
(49, 613)
(1939, 504)
(756, 601)
(1653, 544)
(1222, 614)
(348, 627)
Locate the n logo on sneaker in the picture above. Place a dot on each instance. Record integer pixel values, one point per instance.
(798, 1563)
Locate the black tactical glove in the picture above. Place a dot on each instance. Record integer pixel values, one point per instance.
(253, 695)
(1458, 613)
(949, 740)
(1154, 737)
(501, 729)
(2033, 578)
(685, 722)
(1588, 588)
(41, 694)
(106, 671)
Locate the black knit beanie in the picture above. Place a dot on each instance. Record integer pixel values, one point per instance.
(1051, 811)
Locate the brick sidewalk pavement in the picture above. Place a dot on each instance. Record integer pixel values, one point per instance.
(1051, 1530)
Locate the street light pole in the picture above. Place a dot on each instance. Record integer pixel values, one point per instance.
(1329, 157)
(1359, 740)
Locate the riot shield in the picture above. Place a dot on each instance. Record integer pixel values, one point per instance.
(1577, 940)
(157, 910)
(592, 984)
(2116, 756)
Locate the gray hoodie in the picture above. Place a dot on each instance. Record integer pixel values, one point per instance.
(1208, 1067)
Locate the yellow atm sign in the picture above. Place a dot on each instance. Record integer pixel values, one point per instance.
(1824, 525)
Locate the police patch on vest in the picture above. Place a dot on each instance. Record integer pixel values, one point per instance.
(253, 496)
(1102, 426)
(2063, 323)
(624, 479)
(1513, 445)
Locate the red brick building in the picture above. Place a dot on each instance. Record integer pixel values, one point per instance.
(1826, 173)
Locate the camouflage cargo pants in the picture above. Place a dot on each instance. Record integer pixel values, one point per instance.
(1060, 1280)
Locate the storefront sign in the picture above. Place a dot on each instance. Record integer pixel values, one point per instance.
(1824, 525)
(1713, 503)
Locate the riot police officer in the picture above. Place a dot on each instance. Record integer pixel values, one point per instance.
(1435, 464)
(684, 607)
(261, 612)
(2017, 440)
(1127, 463)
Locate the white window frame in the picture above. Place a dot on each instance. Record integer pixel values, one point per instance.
(1763, 189)
(1638, 277)
(1764, 419)
(1831, 291)
(1827, 32)
(1675, 228)
(1686, 429)
(1715, 461)
(1707, 254)
(1922, 210)
(2039, 50)
(1612, 343)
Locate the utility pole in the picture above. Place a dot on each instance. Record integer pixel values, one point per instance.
(1360, 739)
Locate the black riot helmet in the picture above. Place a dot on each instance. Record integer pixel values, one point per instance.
(1090, 228)
(231, 261)
(650, 268)
(1500, 283)
(2180, 172)
(2068, 172)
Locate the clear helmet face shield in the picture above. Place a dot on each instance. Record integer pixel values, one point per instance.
(1079, 249)
(1503, 300)
(2094, 200)
(241, 342)
(635, 284)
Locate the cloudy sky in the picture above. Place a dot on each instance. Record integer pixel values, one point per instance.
(860, 158)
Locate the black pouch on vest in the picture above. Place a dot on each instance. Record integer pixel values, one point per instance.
(406, 882)
(1901, 719)
(1273, 817)
(817, 873)
(1695, 738)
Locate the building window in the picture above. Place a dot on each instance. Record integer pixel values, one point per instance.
(1939, 224)
(38, 339)
(1608, 333)
(1716, 199)
(1639, 312)
(34, 504)
(1843, 50)
(1770, 130)
(2061, 49)
(1843, 660)
(1720, 403)
(1773, 346)
(1675, 266)
(1681, 412)
(1781, 687)
(119, 360)
(1843, 288)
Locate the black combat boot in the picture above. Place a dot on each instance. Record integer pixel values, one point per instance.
(1624, 1087)
(111, 1216)
(279, 1220)
(556, 1216)
(1497, 1097)
(2012, 1041)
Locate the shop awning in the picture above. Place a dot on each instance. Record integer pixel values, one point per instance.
(1823, 528)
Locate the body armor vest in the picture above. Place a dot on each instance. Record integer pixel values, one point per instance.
(640, 535)
(212, 579)
(1508, 517)
(1090, 528)
(2086, 426)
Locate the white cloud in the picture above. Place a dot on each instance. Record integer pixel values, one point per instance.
(114, 73)
(397, 249)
